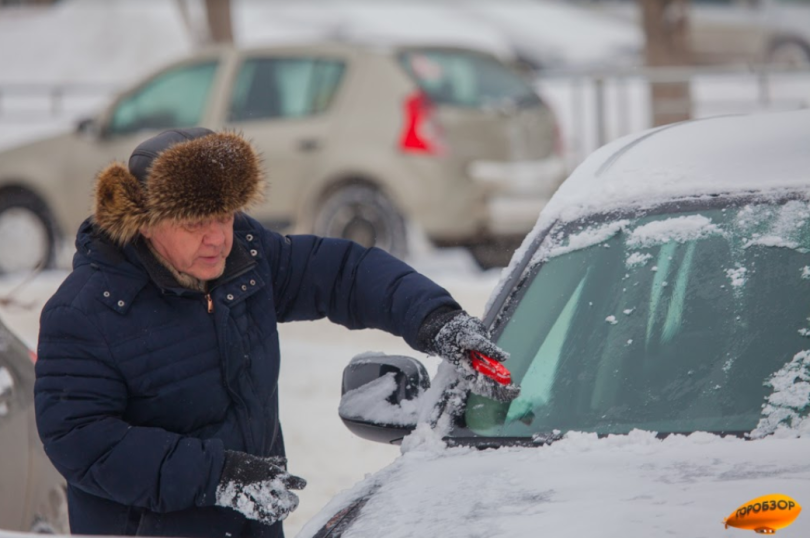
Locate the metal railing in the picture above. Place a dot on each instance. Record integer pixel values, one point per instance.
(597, 106)
(42, 101)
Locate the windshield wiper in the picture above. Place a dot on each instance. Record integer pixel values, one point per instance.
(481, 443)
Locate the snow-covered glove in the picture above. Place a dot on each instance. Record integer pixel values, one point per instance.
(258, 488)
(452, 334)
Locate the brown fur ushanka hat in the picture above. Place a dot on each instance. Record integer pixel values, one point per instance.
(183, 174)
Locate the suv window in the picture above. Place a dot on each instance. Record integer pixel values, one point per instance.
(173, 99)
(466, 79)
(284, 88)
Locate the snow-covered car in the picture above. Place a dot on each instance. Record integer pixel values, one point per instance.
(657, 320)
(32, 493)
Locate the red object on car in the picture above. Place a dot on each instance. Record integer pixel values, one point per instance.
(490, 368)
(33, 355)
(422, 133)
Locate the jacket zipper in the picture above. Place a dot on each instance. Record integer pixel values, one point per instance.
(210, 303)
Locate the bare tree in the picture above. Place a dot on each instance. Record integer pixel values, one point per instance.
(219, 20)
(666, 23)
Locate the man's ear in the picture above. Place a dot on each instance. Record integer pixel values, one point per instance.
(146, 232)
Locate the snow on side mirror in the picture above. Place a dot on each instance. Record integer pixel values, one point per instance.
(379, 396)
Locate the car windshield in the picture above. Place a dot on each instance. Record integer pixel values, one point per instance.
(466, 79)
(672, 322)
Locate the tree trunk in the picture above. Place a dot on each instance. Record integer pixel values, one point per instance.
(219, 20)
(665, 28)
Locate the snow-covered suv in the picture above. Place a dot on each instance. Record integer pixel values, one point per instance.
(358, 141)
(657, 320)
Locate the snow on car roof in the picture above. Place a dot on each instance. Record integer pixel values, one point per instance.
(719, 155)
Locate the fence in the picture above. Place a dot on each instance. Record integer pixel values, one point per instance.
(595, 107)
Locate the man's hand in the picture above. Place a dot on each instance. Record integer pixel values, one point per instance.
(258, 488)
(452, 335)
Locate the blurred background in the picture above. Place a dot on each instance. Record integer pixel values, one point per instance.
(436, 130)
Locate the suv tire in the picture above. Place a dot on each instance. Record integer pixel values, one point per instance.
(365, 215)
(27, 234)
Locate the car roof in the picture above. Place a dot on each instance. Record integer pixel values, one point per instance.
(715, 156)
(348, 47)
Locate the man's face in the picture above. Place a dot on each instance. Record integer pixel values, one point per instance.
(196, 248)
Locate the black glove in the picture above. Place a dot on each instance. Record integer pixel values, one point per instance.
(258, 488)
(452, 334)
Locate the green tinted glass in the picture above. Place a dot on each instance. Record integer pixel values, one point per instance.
(669, 323)
(173, 99)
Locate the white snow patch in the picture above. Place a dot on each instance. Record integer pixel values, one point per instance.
(806, 272)
(680, 229)
(737, 276)
(786, 412)
(6, 381)
(368, 403)
(612, 320)
(627, 311)
(586, 238)
(638, 258)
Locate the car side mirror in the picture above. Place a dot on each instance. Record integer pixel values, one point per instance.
(379, 396)
(88, 127)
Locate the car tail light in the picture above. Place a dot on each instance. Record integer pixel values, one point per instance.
(490, 368)
(33, 355)
(421, 133)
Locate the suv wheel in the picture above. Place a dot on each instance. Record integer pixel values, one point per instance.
(496, 253)
(27, 237)
(365, 215)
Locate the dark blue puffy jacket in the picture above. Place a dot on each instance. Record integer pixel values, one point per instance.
(140, 388)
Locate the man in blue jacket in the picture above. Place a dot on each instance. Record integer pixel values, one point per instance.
(156, 392)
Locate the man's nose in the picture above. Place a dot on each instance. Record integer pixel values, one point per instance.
(215, 234)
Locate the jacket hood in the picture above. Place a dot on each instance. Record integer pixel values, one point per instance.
(185, 177)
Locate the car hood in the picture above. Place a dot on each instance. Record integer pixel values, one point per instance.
(581, 486)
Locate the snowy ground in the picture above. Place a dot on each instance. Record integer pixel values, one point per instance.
(320, 448)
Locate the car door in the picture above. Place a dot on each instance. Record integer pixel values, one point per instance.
(15, 453)
(177, 97)
(283, 103)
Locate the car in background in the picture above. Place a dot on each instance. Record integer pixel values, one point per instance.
(772, 32)
(32, 492)
(358, 142)
(657, 319)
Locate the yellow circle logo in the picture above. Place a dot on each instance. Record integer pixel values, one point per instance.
(765, 514)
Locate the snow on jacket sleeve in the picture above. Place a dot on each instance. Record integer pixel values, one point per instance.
(80, 398)
(357, 287)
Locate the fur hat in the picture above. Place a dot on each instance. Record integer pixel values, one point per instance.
(182, 174)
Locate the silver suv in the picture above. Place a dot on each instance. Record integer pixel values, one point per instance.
(358, 141)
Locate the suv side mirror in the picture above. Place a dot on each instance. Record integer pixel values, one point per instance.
(379, 396)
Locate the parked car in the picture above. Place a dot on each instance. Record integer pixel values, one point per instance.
(32, 493)
(774, 32)
(358, 141)
(657, 320)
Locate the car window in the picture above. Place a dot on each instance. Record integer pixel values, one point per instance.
(284, 88)
(466, 79)
(173, 99)
(675, 322)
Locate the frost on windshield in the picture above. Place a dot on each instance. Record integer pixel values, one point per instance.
(680, 229)
(785, 413)
(773, 226)
(6, 384)
(369, 403)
